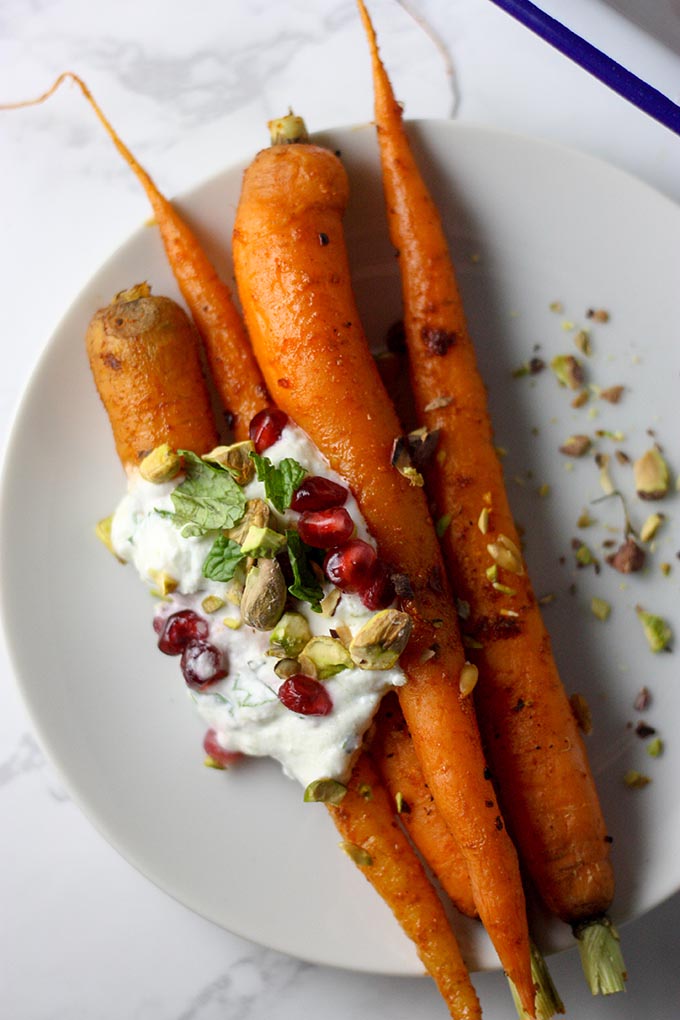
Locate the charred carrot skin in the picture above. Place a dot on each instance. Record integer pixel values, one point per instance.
(365, 818)
(293, 279)
(145, 360)
(232, 366)
(395, 759)
(538, 756)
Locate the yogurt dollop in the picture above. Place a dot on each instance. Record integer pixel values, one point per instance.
(243, 708)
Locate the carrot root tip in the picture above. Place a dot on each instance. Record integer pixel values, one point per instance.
(601, 957)
(548, 1002)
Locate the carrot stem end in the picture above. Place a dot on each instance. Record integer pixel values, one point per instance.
(601, 956)
(548, 1002)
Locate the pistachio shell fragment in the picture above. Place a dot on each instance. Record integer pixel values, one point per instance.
(287, 667)
(328, 655)
(325, 791)
(264, 595)
(161, 465)
(360, 856)
(628, 558)
(576, 446)
(329, 603)
(652, 477)
(236, 459)
(380, 642)
(657, 631)
(289, 636)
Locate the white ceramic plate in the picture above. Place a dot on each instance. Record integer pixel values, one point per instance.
(530, 224)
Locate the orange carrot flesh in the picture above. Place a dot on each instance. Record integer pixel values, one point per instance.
(365, 818)
(305, 330)
(395, 759)
(232, 365)
(145, 360)
(538, 755)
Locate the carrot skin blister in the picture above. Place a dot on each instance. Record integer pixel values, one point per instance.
(531, 735)
(305, 330)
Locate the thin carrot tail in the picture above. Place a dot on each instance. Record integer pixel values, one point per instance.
(548, 1001)
(601, 957)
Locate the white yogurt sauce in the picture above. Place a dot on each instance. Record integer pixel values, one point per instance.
(244, 709)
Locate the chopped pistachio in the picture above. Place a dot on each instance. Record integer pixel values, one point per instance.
(471, 642)
(401, 460)
(635, 780)
(103, 532)
(233, 622)
(580, 399)
(483, 521)
(576, 446)
(606, 482)
(165, 584)
(628, 558)
(651, 526)
(257, 515)
(616, 435)
(286, 667)
(665, 569)
(546, 600)
(508, 612)
(161, 465)
(328, 655)
(521, 370)
(306, 666)
(213, 763)
(598, 314)
(236, 459)
(438, 402)
(342, 633)
(380, 642)
(325, 791)
(262, 542)
(492, 572)
(543, 490)
(642, 700)
(442, 525)
(581, 712)
(428, 654)
(583, 343)
(462, 609)
(360, 856)
(329, 603)
(585, 520)
(289, 636)
(505, 553)
(211, 603)
(600, 608)
(501, 451)
(613, 394)
(556, 306)
(364, 790)
(503, 588)
(264, 595)
(402, 806)
(655, 747)
(567, 325)
(568, 371)
(584, 556)
(656, 629)
(652, 478)
(440, 456)
(467, 680)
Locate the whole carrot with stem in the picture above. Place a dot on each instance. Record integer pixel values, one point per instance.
(293, 280)
(539, 759)
(232, 366)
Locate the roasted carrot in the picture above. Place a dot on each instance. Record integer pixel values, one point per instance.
(539, 759)
(396, 761)
(373, 839)
(232, 366)
(293, 280)
(144, 356)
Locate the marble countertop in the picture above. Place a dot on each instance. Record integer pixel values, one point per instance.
(190, 88)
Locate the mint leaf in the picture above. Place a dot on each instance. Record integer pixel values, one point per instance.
(305, 586)
(280, 482)
(223, 559)
(207, 500)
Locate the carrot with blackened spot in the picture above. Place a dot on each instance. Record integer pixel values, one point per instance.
(232, 365)
(538, 756)
(145, 360)
(373, 839)
(305, 329)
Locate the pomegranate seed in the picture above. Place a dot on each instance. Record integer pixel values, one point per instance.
(180, 628)
(380, 592)
(317, 493)
(266, 427)
(214, 749)
(325, 528)
(350, 568)
(202, 665)
(159, 624)
(304, 695)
